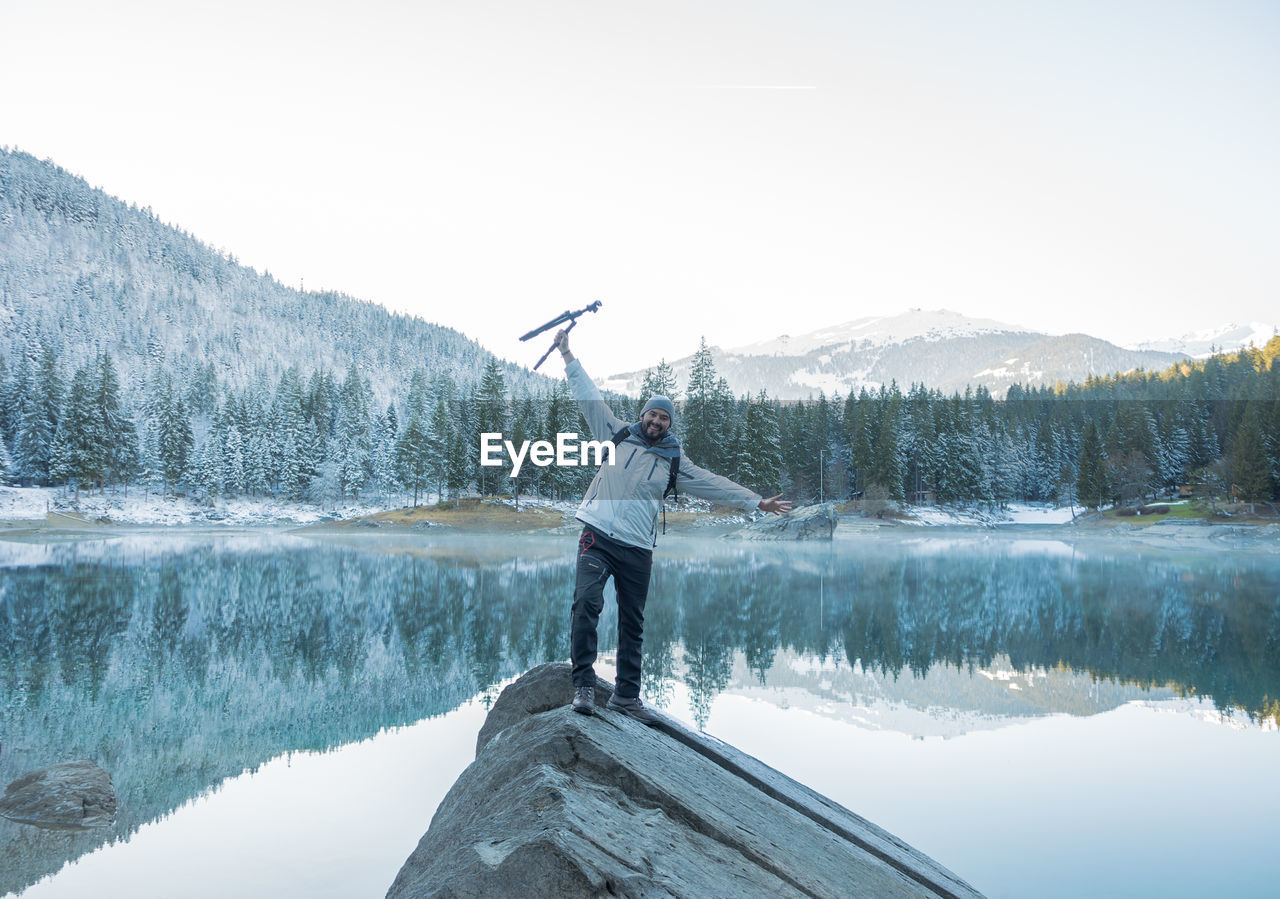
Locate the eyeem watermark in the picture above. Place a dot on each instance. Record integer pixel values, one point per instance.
(567, 451)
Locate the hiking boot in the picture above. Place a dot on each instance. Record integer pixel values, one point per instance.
(584, 700)
(632, 708)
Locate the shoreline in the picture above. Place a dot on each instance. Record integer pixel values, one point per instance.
(21, 508)
(1194, 536)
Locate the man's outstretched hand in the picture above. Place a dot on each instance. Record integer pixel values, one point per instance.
(775, 504)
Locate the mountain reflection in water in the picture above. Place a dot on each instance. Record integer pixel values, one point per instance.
(176, 663)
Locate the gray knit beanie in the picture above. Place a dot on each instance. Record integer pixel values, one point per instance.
(660, 402)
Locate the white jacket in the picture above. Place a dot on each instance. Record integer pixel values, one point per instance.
(624, 499)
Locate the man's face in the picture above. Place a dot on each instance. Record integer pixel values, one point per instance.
(655, 423)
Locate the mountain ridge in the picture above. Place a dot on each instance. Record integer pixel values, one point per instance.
(940, 348)
(88, 273)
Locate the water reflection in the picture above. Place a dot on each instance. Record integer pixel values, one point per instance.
(178, 663)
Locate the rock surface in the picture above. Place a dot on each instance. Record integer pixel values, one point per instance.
(562, 804)
(73, 795)
(809, 523)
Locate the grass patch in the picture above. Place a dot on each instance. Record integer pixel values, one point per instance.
(1195, 509)
(473, 513)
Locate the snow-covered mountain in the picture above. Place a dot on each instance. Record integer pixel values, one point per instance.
(85, 273)
(915, 324)
(1224, 338)
(944, 702)
(938, 348)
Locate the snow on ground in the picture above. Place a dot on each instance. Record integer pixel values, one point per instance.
(23, 503)
(1014, 513)
(26, 503)
(1037, 513)
(144, 508)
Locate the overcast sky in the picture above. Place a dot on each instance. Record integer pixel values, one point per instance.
(736, 170)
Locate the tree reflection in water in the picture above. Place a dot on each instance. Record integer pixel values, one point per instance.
(178, 664)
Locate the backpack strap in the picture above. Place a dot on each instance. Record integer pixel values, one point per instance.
(622, 435)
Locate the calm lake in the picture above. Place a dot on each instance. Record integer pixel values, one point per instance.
(281, 715)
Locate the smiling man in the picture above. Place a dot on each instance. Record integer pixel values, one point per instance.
(620, 528)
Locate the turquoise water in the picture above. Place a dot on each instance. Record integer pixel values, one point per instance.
(281, 715)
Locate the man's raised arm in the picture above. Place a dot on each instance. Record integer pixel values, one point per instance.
(600, 418)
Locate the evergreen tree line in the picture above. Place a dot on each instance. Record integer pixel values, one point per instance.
(1212, 425)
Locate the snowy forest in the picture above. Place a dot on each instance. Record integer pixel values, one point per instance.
(1213, 427)
(132, 356)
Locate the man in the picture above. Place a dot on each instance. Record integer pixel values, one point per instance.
(620, 525)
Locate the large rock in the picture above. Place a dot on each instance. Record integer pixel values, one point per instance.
(562, 804)
(810, 523)
(73, 796)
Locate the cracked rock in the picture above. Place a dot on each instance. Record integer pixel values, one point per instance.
(70, 796)
(563, 804)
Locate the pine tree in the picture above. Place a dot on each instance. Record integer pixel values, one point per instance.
(413, 457)
(15, 393)
(382, 476)
(350, 449)
(887, 462)
(1250, 468)
(658, 382)
(439, 438)
(701, 425)
(460, 458)
(524, 426)
(763, 470)
(1091, 478)
(417, 403)
(175, 442)
(77, 457)
(39, 422)
(234, 474)
(207, 473)
(561, 418)
(257, 470)
(491, 418)
(6, 463)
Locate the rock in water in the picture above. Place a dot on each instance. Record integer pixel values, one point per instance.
(562, 804)
(73, 795)
(809, 523)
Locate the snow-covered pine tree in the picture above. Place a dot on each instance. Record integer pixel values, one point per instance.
(6, 462)
(661, 382)
(524, 426)
(355, 420)
(175, 442)
(208, 470)
(34, 439)
(439, 435)
(1091, 471)
(78, 456)
(763, 456)
(382, 477)
(700, 427)
(561, 416)
(234, 472)
(413, 457)
(491, 418)
(15, 393)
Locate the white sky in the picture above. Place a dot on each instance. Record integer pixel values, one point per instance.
(730, 169)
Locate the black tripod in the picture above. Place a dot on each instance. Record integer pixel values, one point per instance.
(570, 317)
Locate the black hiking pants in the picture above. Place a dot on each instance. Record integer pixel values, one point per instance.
(600, 558)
